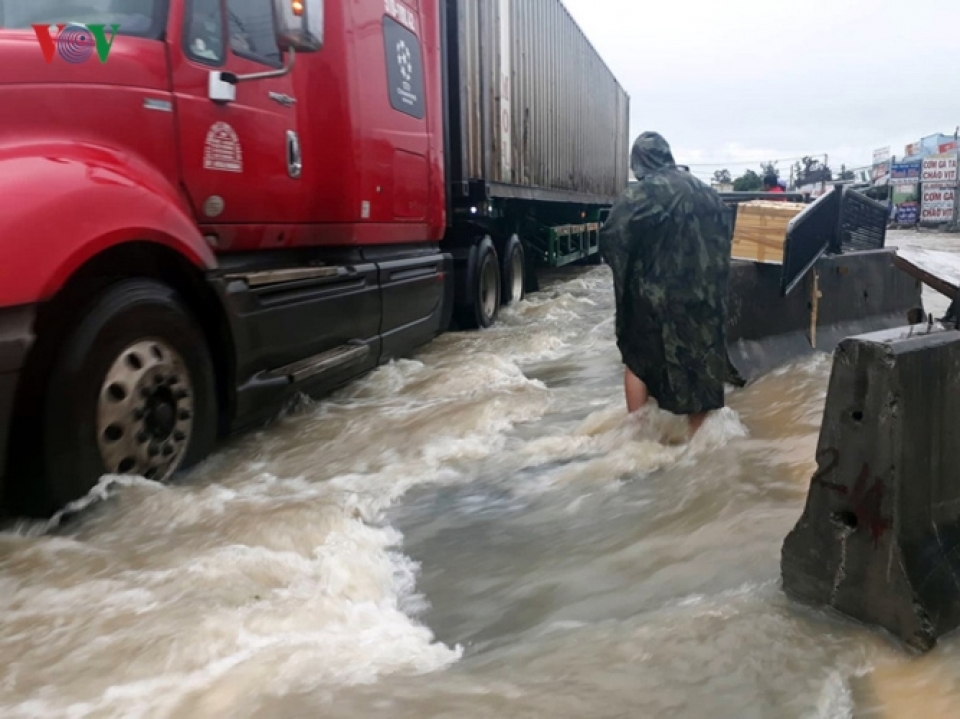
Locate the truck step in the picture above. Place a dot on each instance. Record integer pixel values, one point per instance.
(347, 354)
(276, 277)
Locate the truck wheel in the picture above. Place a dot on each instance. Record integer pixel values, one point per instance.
(132, 392)
(483, 294)
(513, 273)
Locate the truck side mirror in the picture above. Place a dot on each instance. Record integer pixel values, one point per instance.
(299, 24)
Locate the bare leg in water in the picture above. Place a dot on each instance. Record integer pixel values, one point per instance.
(637, 396)
(635, 390)
(696, 422)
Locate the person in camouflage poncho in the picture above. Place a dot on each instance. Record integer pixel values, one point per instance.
(667, 241)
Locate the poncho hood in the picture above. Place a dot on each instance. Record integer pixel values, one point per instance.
(651, 153)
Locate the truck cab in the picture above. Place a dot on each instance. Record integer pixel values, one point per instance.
(209, 206)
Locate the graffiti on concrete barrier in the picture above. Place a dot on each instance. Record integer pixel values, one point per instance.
(866, 497)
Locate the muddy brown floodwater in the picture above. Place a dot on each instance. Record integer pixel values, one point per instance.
(477, 531)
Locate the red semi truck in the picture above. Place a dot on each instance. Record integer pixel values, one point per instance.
(209, 206)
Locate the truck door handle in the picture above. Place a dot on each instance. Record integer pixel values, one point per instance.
(294, 158)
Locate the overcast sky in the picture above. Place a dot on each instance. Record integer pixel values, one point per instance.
(746, 80)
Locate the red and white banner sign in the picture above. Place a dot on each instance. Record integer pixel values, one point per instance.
(940, 169)
(936, 214)
(938, 196)
(937, 203)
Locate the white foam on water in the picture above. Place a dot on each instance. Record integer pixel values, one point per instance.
(720, 428)
(98, 493)
(836, 699)
(693, 605)
(261, 579)
(609, 445)
(340, 600)
(811, 365)
(534, 344)
(389, 379)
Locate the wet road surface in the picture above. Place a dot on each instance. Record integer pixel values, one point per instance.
(478, 531)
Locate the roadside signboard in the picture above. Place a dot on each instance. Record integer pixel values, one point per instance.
(880, 172)
(937, 203)
(880, 175)
(905, 173)
(906, 202)
(940, 169)
(908, 213)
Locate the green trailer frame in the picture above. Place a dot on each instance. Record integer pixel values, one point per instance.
(563, 245)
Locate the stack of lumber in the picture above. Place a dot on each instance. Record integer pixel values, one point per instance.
(761, 228)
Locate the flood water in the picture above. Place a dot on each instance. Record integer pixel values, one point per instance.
(478, 531)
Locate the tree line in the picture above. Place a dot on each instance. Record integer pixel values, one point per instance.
(807, 171)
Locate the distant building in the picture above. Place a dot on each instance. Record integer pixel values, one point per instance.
(930, 145)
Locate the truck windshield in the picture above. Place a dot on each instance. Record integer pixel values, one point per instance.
(143, 18)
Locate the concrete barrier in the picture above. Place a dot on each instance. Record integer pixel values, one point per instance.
(879, 538)
(844, 295)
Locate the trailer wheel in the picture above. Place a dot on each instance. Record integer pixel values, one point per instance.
(483, 293)
(513, 272)
(132, 392)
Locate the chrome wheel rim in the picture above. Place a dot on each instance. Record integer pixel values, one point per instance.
(145, 411)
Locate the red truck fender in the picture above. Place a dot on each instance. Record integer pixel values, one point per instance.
(63, 204)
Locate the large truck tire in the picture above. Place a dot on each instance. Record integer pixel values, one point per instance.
(512, 272)
(482, 302)
(132, 392)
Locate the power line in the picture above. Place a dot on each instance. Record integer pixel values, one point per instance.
(740, 163)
